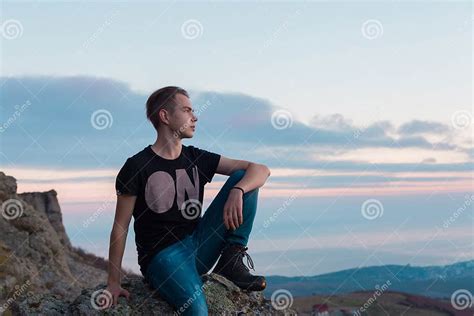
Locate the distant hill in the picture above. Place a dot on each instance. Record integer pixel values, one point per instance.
(431, 281)
(389, 303)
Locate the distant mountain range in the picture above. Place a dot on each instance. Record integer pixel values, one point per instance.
(390, 303)
(430, 281)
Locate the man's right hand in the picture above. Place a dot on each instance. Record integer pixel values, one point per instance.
(116, 290)
(118, 238)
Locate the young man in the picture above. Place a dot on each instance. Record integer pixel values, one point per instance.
(162, 187)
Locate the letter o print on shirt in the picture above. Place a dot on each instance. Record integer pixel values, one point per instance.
(160, 191)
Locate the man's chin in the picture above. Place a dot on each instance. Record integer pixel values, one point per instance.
(185, 134)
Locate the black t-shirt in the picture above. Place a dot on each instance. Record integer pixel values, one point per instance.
(169, 196)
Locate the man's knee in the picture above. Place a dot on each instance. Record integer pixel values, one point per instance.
(236, 176)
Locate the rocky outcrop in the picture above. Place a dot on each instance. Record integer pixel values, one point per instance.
(36, 255)
(223, 298)
(41, 273)
(47, 203)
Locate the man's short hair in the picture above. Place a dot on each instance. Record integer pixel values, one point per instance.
(163, 98)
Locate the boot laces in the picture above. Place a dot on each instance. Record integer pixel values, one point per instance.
(241, 253)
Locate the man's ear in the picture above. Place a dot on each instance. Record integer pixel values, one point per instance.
(164, 116)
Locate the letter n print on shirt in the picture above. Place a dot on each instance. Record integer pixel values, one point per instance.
(161, 190)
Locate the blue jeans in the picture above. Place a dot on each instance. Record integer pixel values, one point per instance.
(176, 270)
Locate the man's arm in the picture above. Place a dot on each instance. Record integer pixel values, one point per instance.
(254, 177)
(255, 174)
(118, 238)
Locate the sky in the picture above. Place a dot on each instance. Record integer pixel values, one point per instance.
(362, 110)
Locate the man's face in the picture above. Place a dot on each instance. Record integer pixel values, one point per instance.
(183, 121)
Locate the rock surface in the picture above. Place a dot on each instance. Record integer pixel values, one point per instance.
(223, 298)
(36, 255)
(41, 273)
(47, 203)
